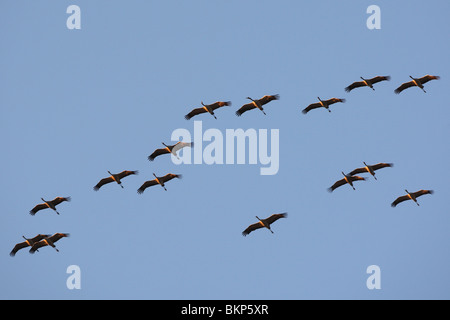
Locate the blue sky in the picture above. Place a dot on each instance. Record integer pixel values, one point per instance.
(76, 103)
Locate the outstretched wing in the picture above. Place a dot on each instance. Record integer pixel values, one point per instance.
(39, 237)
(181, 145)
(38, 208)
(268, 98)
(358, 170)
(334, 100)
(146, 185)
(252, 227)
(17, 247)
(220, 104)
(311, 107)
(379, 79)
(355, 85)
(38, 245)
(422, 192)
(337, 184)
(103, 182)
(245, 108)
(195, 112)
(169, 177)
(399, 199)
(382, 165)
(275, 217)
(126, 173)
(427, 78)
(356, 178)
(58, 236)
(404, 86)
(58, 200)
(157, 152)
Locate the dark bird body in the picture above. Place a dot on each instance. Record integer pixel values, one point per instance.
(257, 104)
(367, 82)
(416, 82)
(371, 168)
(411, 196)
(114, 177)
(347, 179)
(27, 243)
(264, 223)
(49, 204)
(207, 108)
(158, 180)
(48, 241)
(322, 104)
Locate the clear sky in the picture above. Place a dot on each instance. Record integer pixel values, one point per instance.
(76, 103)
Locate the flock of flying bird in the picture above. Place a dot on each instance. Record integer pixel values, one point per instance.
(43, 240)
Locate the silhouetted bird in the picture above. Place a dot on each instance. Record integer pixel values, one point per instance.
(27, 243)
(347, 179)
(416, 82)
(367, 82)
(411, 196)
(158, 180)
(371, 169)
(48, 241)
(256, 104)
(114, 177)
(264, 223)
(322, 103)
(207, 108)
(49, 204)
(169, 149)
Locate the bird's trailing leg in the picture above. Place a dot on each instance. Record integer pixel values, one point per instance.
(351, 184)
(50, 243)
(163, 186)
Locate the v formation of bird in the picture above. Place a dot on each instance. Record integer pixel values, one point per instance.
(43, 240)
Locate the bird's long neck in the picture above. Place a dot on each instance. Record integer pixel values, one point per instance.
(258, 218)
(250, 98)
